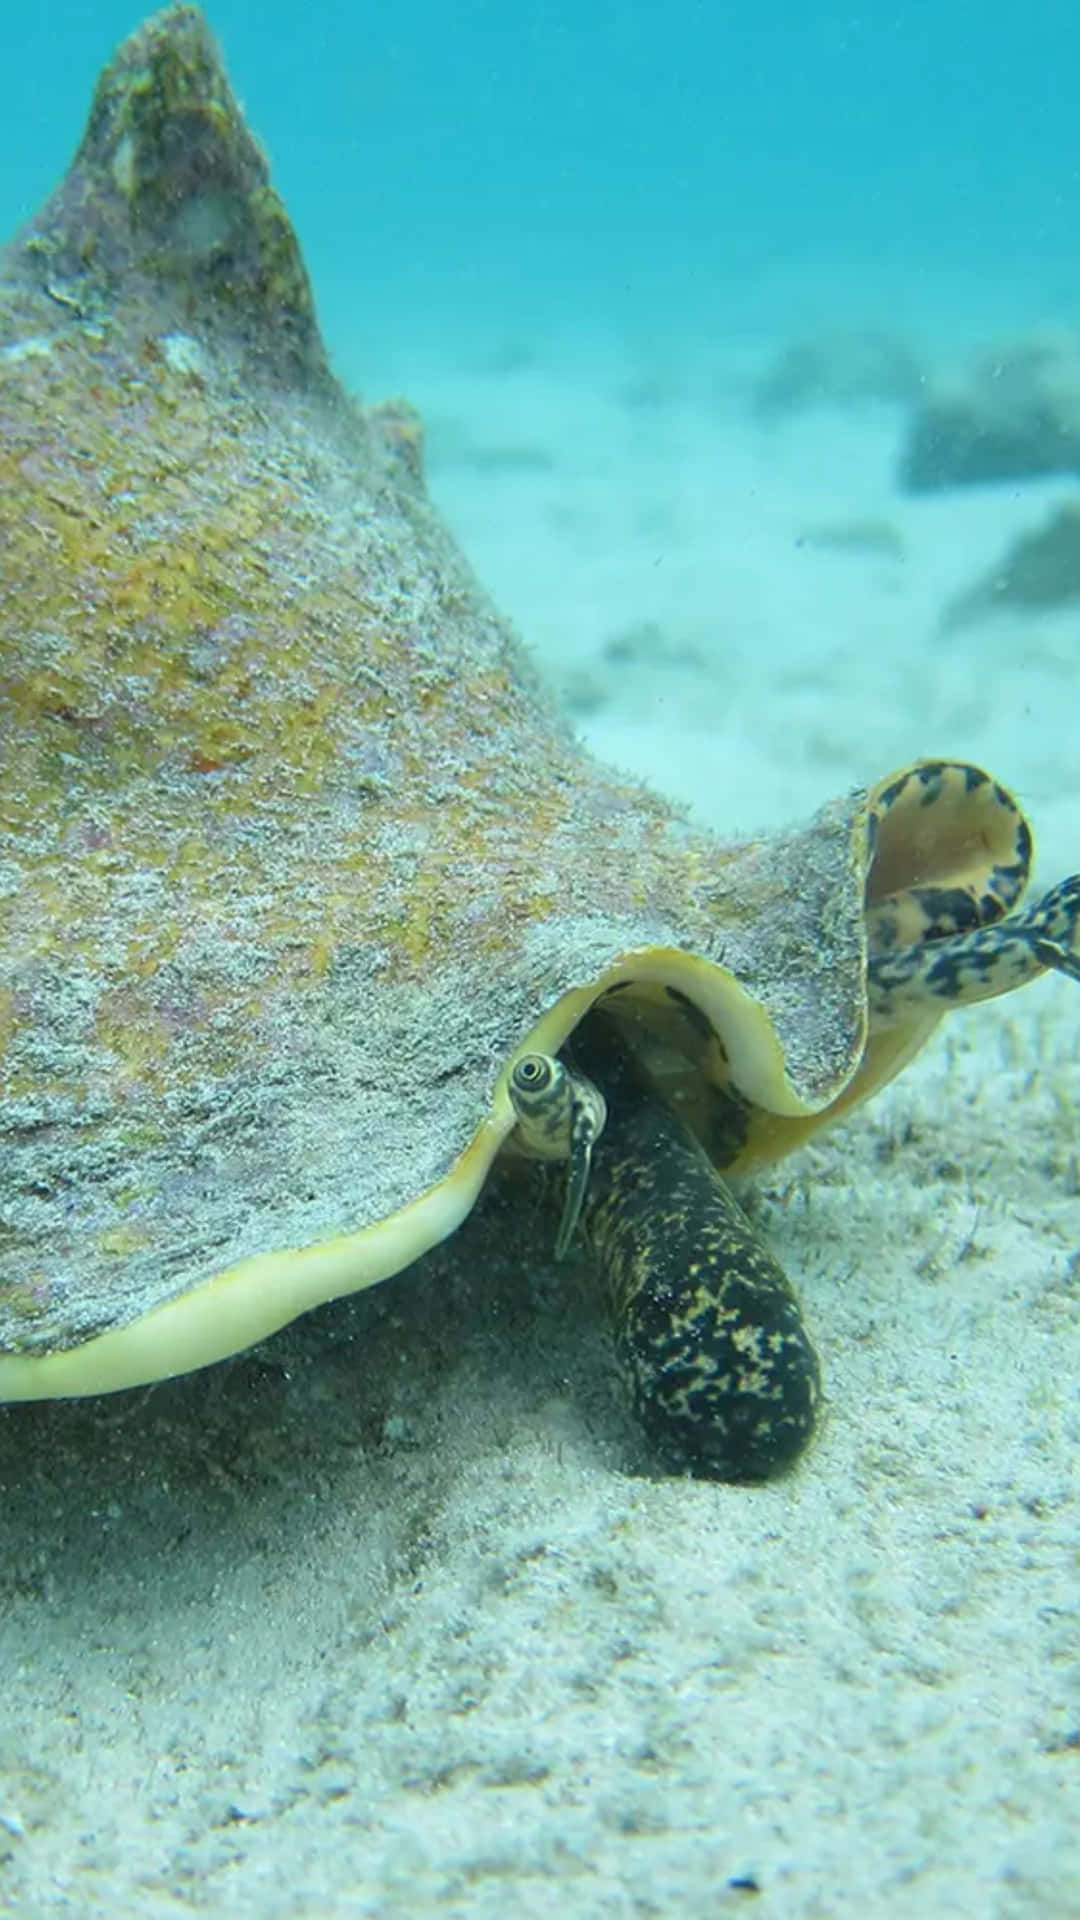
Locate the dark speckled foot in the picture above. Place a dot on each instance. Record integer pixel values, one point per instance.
(722, 1372)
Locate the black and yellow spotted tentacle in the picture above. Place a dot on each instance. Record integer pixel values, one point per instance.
(1054, 929)
(708, 1329)
(979, 965)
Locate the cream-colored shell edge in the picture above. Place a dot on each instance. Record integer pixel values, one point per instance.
(253, 1299)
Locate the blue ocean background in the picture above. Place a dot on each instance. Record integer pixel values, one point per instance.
(457, 170)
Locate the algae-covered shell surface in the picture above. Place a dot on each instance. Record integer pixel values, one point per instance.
(296, 855)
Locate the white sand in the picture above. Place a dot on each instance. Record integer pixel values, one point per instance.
(387, 1619)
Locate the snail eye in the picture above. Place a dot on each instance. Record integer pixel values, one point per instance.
(532, 1072)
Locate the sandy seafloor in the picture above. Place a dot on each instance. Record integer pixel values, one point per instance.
(391, 1616)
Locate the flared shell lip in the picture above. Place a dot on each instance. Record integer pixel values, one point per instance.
(256, 1297)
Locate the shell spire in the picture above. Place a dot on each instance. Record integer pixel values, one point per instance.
(168, 204)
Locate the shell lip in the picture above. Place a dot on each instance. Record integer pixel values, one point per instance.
(753, 1048)
(253, 1299)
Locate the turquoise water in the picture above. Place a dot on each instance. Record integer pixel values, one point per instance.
(614, 163)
